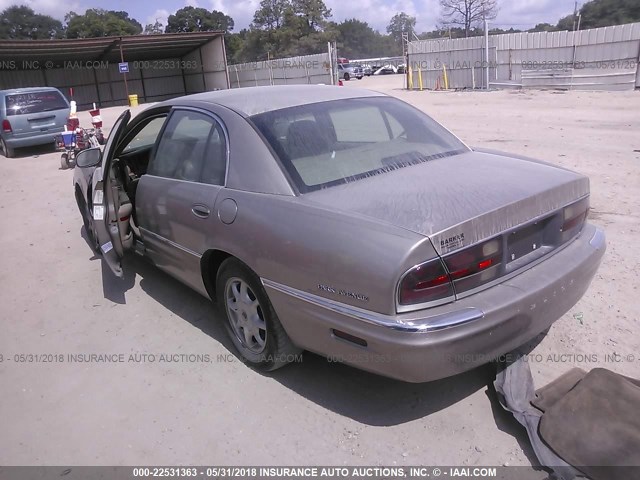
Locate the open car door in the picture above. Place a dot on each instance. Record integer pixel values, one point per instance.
(107, 203)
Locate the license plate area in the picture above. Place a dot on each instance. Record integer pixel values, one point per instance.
(525, 241)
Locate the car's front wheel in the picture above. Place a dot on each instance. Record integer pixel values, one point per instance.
(252, 324)
(347, 77)
(7, 151)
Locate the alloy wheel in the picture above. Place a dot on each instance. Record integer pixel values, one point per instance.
(245, 314)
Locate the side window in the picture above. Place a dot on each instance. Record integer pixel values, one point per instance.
(147, 135)
(215, 164)
(359, 125)
(192, 148)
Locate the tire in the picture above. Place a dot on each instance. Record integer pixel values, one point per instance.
(251, 322)
(360, 78)
(7, 151)
(347, 77)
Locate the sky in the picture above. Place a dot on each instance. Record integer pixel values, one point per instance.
(520, 14)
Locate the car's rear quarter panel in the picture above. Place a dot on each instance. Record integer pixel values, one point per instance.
(300, 245)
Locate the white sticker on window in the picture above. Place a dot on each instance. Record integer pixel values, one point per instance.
(107, 247)
(97, 196)
(98, 212)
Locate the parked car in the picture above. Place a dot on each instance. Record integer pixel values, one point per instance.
(346, 71)
(402, 68)
(30, 117)
(388, 244)
(386, 70)
(367, 70)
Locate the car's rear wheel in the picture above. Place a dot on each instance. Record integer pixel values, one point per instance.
(7, 151)
(252, 324)
(347, 77)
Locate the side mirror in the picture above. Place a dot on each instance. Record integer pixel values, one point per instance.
(89, 157)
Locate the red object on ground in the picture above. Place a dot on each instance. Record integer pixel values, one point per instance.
(72, 123)
(340, 84)
(96, 120)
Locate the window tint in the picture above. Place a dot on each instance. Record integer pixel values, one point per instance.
(34, 102)
(192, 148)
(147, 135)
(330, 143)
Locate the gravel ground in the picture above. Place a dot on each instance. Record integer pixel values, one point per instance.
(57, 298)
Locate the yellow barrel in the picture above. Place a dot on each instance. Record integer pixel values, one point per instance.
(133, 100)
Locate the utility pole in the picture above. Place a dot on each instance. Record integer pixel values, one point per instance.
(486, 50)
(126, 87)
(575, 15)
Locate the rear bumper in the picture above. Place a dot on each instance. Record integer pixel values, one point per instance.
(447, 340)
(40, 138)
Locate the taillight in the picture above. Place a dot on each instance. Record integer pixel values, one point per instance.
(462, 271)
(6, 126)
(473, 266)
(574, 217)
(425, 283)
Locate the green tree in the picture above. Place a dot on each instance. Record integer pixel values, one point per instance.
(270, 14)
(468, 13)
(401, 23)
(22, 23)
(314, 12)
(195, 19)
(543, 27)
(153, 28)
(283, 28)
(97, 22)
(357, 39)
(603, 13)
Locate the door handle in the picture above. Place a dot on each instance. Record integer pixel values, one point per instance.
(200, 211)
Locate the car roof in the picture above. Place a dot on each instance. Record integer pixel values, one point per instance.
(250, 101)
(27, 89)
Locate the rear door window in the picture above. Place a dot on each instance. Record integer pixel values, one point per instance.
(34, 102)
(192, 148)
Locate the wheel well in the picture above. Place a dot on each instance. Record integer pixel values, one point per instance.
(209, 265)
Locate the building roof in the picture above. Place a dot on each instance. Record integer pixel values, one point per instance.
(134, 47)
(254, 100)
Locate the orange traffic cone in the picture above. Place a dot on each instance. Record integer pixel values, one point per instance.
(340, 84)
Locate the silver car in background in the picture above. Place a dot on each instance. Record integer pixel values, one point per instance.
(388, 244)
(31, 117)
(347, 71)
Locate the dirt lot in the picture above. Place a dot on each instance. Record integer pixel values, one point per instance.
(58, 299)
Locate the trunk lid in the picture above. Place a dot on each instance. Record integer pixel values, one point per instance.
(458, 201)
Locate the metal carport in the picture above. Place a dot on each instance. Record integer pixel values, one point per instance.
(160, 66)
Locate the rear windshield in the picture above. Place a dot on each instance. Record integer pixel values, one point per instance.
(34, 102)
(331, 143)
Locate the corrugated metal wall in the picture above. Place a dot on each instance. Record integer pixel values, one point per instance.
(153, 81)
(305, 69)
(600, 58)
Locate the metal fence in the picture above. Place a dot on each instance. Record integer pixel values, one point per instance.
(599, 58)
(306, 69)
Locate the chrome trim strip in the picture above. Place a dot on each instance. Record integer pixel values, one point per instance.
(426, 324)
(166, 241)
